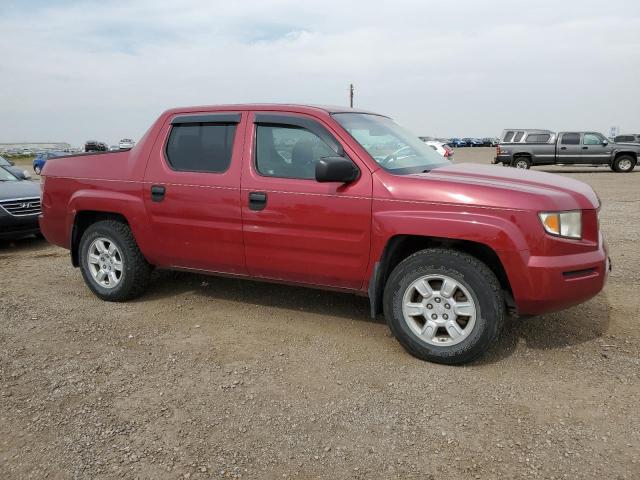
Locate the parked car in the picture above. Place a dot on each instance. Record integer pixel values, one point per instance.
(472, 142)
(300, 195)
(443, 149)
(457, 142)
(523, 148)
(19, 206)
(628, 138)
(126, 143)
(489, 142)
(95, 146)
(16, 171)
(113, 148)
(40, 160)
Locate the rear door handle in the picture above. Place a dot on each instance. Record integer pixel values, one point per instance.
(257, 200)
(157, 193)
(563, 148)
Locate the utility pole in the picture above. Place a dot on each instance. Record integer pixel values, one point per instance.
(351, 95)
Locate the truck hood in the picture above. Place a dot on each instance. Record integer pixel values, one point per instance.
(21, 189)
(494, 186)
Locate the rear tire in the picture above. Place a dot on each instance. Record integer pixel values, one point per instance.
(111, 262)
(623, 164)
(523, 163)
(473, 300)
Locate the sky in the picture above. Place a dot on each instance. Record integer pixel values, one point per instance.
(77, 70)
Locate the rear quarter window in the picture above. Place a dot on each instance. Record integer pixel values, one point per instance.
(518, 136)
(508, 137)
(538, 138)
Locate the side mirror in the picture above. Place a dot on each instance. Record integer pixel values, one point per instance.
(12, 163)
(336, 169)
(605, 143)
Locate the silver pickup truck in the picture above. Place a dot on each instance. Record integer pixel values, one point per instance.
(524, 148)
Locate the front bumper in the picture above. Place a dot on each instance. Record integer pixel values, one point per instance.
(551, 283)
(12, 227)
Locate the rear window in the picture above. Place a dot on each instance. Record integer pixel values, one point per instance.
(508, 137)
(201, 147)
(570, 139)
(518, 136)
(625, 138)
(538, 138)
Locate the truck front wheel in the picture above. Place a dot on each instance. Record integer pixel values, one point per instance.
(623, 164)
(444, 306)
(111, 262)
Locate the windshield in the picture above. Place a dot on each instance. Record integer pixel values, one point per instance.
(391, 146)
(6, 176)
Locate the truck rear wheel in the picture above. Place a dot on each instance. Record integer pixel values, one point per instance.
(623, 164)
(111, 262)
(444, 306)
(522, 162)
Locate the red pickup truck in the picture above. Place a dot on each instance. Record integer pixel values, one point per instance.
(330, 198)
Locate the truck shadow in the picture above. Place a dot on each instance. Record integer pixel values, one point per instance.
(271, 295)
(556, 331)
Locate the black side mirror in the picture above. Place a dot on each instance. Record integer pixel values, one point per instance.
(336, 169)
(605, 143)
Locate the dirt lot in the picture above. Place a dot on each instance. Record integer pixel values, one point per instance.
(207, 377)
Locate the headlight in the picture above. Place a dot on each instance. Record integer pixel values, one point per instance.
(563, 224)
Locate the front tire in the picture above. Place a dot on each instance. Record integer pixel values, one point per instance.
(444, 306)
(111, 262)
(38, 170)
(623, 164)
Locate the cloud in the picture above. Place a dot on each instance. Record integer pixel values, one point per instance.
(77, 70)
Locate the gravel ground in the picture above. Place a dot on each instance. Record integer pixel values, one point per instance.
(216, 378)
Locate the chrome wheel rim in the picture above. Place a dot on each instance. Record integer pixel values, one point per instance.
(624, 164)
(37, 169)
(522, 164)
(439, 310)
(105, 262)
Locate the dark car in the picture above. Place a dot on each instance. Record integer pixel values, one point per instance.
(457, 142)
(628, 138)
(19, 206)
(41, 159)
(16, 171)
(472, 142)
(95, 146)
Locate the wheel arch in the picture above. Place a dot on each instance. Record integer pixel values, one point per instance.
(401, 246)
(83, 220)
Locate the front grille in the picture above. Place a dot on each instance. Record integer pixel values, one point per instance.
(20, 207)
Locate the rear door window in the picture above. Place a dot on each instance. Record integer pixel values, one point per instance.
(200, 147)
(570, 139)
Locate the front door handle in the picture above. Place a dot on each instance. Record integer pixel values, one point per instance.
(257, 200)
(585, 148)
(563, 148)
(157, 193)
